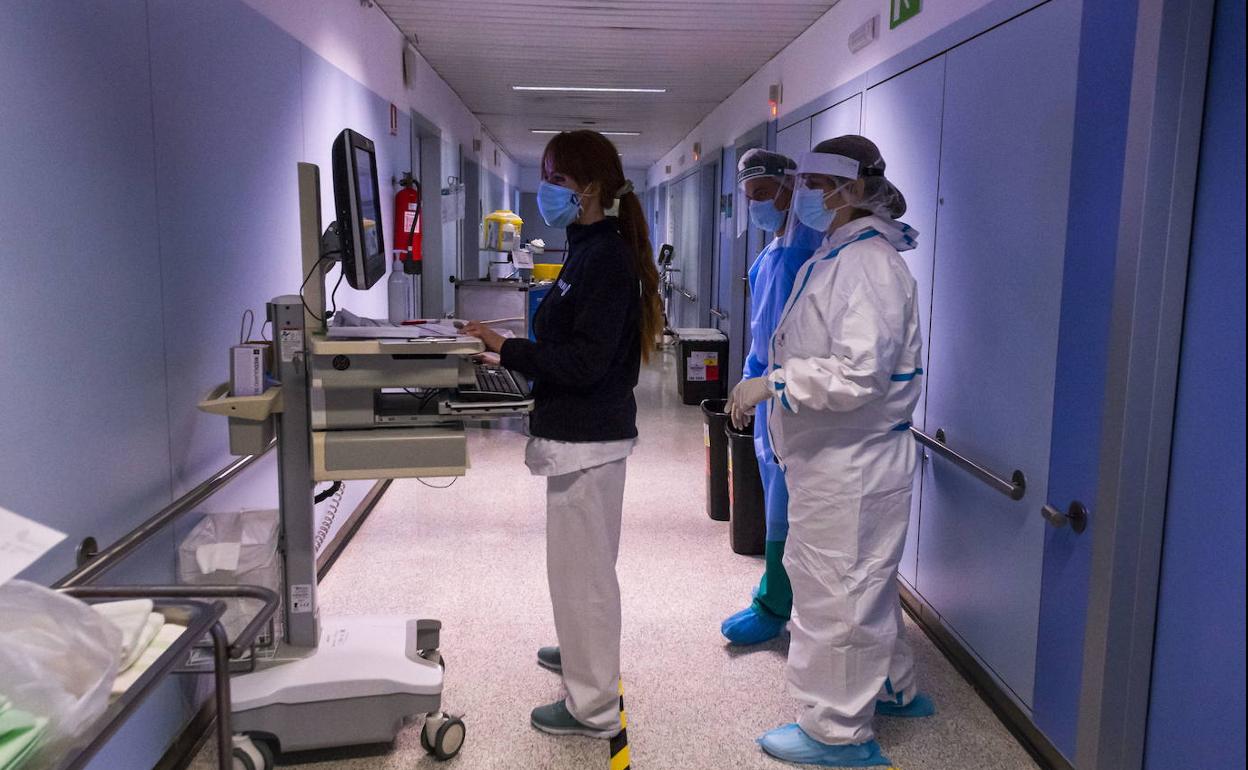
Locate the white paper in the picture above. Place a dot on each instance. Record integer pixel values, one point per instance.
(22, 541)
(448, 207)
(440, 330)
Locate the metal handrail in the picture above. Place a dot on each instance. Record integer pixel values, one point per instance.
(1014, 489)
(106, 559)
(687, 295)
(721, 315)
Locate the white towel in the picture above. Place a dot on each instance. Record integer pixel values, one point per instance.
(131, 618)
(154, 623)
(164, 639)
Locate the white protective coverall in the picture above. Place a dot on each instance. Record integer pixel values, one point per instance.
(846, 367)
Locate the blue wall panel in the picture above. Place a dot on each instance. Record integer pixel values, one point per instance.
(1196, 711)
(86, 445)
(228, 131)
(838, 120)
(158, 201)
(794, 141)
(1105, 59)
(1004, 172)
(903, 117)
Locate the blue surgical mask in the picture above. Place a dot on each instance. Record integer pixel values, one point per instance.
(559, 206)
(766, 216)
(809, 204)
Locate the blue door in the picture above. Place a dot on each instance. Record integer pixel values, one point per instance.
(1004, 176)
(902, 116)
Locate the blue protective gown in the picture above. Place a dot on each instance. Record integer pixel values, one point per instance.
(771, 280)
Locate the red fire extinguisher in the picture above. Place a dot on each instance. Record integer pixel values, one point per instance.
(407, 226)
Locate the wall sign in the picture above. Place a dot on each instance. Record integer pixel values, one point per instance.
(901, 11)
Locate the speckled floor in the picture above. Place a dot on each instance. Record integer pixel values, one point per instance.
(473, 556)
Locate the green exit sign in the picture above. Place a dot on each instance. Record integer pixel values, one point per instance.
(901, 11)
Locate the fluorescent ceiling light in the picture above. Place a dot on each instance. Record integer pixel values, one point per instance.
(592, 89)
(561, 130)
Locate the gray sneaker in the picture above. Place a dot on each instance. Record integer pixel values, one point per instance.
(554, 718)
(549, 658)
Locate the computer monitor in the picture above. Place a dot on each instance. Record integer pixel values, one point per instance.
(357, 204)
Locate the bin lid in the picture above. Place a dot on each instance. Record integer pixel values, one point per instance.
(697, 335)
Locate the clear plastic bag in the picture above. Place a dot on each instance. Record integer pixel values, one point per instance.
(234, 549)
(58, 659)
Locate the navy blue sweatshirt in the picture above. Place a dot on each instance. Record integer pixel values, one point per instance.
(587, 356)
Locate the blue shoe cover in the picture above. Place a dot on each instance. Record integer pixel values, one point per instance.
(921, 706)
(792, 744)
(751, 626)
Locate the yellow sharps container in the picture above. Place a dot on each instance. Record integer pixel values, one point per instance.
(502, 230)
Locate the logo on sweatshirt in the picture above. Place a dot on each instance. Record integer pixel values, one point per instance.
(564, 287)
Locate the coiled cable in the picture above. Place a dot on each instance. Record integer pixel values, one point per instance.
(336, 491)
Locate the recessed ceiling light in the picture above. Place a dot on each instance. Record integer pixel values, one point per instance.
(592, 89)
(604, 133)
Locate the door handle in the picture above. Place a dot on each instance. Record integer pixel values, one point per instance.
(721, 315)
(1076, 516)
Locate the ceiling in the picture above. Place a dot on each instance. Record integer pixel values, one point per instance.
(699, 50)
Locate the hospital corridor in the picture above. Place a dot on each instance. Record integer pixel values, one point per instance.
(622, 384)
(470, 564)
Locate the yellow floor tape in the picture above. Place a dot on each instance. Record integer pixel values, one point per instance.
(619, 744)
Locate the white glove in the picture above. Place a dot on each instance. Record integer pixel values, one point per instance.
(745, 396)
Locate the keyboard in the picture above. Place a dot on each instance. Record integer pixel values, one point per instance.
(495, 381)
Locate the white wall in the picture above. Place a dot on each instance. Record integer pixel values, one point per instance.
(815, 63)
(366, 45)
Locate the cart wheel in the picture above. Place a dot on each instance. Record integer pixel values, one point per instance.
(252, 754)
(449, 738)
(243, 760)
(433, 723)
(266, 751)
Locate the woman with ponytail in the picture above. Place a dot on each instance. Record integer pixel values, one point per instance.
(596, 326)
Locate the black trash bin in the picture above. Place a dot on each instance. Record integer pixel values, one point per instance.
(748, 512)
(714, 420)
(703, 365)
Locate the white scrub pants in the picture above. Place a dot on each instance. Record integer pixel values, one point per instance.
(848, 514)
(583, 513)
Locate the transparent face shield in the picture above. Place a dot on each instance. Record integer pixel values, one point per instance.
(827, 183)
(766, 199)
